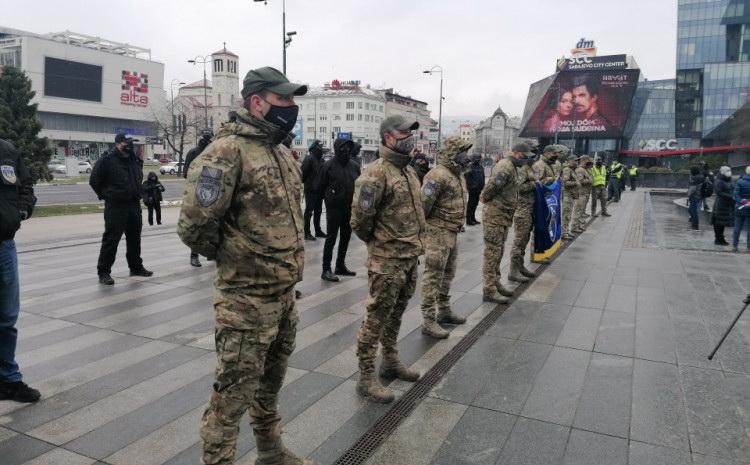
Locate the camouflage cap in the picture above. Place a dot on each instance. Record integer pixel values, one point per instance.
(550, 148)
(523, 148)
(398, 123)
(584, 158)
(454, 145)
(562, 149)
(271, 79)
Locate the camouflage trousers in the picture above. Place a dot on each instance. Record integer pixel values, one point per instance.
(392, 282)
(579, 212)
(441, 250)
(568, 201)
(250, 371)
(522, 224)
(495, 236)
(598, 193)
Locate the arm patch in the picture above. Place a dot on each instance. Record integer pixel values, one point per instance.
(208, 187)
(429, 188)
(366, 197)
(501, 179)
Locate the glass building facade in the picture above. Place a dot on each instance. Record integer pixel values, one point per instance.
(652, 114)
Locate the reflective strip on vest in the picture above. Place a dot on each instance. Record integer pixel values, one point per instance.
(617, 175)
(633, 171)
(599, 176)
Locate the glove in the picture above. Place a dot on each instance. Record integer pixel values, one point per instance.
(24, 214)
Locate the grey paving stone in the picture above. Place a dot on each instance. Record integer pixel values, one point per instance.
(735, 349)
(716, 421)
(566, 292)
(593, 295)
(658, 414)
(605, 405)
(558, 386)
(534, 442)
(580, 329)
(200, 306)
(53, 337)
(654, 338)
(693, 343)
(61, 457)
(547, 325)
(21, 448)
(477, 439)
(318, 353)
(649, 278)
(616, 334)
(699, 459)
(513, 322)
(621, 298)
(332, 306)
(586, 448)
(651, 301)
(649, 454)
(507, 389)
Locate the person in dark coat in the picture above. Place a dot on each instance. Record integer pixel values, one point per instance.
(723, 211)
(420, 164)
(694, 195)
(16, 204)
(741, 209)
(708, 177)
(337, 189)
(152, 189)
(203, 142)
(311, 166)
(116, 179)
(474, 184)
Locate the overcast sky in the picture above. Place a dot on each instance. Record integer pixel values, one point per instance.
(491, 50)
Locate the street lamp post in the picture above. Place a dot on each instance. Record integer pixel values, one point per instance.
(438, 69)
(203, 60)
(286, 37)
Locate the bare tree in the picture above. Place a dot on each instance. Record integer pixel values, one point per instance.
(177, 125)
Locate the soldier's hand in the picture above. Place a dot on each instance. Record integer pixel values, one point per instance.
(481, 197)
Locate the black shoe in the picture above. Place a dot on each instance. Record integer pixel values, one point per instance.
(606, 214)
(18, 391)
(195, 261)
(105, 278)
(695, 227)
(721, 242)
(344, 271)
(297, 294)
(309, 237)
(329, 276)
(142, 272)
(321, 234)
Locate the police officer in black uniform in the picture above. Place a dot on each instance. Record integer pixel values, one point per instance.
(116, 179)
(192, 155)
(311, 167)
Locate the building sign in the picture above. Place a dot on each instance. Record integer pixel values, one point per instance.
(584, 47)
(657, 145)
(344, 135)
(338, 85)
(134, 89)
(583, 62)
(129, 131)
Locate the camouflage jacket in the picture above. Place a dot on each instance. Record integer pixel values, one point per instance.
(500, 194)
(570, 181)
(584, 177)
(544, 172)
(444, 195)
(387, 212)
(557, 168)
(242, 206)
(526, 182)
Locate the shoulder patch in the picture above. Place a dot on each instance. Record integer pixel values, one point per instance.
(366, 197)
(429, 188)
(501, 179)
(8, 173)
(209, 185)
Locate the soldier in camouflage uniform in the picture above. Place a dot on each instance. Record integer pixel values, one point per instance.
(584, 178)
(571, 185)
(499, 196)
(444, 201)
(544, 172)
(387, 215)
(522, 223)
(242, 208)
(561, 152)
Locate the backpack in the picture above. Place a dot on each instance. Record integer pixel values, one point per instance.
(707, 189)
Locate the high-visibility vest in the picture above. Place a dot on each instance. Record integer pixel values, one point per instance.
(598, 176)
(633, 171)
(618, 174)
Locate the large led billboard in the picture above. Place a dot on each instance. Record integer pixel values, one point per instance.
(72, 79)
(591, 103)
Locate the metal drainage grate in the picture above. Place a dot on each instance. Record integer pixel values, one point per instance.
(403, 407)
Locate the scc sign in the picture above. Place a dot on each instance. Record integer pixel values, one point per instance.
(658, 145)
(135, 88)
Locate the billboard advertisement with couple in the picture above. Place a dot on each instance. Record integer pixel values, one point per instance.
(584, 104)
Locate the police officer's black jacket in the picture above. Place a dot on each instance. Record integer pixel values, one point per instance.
(311, 166)
(117, 178)
(191, 155)
(337, 183)
(475, 177)
(16, 191)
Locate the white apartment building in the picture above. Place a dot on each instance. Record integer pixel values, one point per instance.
(408, 107)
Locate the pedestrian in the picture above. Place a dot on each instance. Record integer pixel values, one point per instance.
(584, 178)
(242, 208)
(694, 195)
(615, 175)
(707, 190)
(633, 175)
(311, 166)
(387, 215)
(116, 179)
(336, 187)
(420, 164)
(598, 187)
(152, 189)
(741, 210)
(723, 211)
(444, 196)
(474, 184)
(16, 204)
(522, 222)
(206, 137)
(499, 197)
(571, 188)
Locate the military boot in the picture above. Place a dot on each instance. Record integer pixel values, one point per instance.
(432, 329)
(392, 368)
(494, 296)
(369, 388)
(447, 317)
(274, 453)
(527, 272)
(516, 275)
(503, 290)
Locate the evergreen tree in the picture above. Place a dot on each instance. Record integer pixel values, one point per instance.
(19, 124)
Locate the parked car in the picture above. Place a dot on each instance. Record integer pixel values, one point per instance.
(166, 160)
(170, 168)
(84, 167)
(56, 167)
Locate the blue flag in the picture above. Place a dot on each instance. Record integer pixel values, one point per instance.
(547, 221)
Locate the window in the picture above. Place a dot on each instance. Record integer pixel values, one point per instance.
(367, 105)
(297, 141)
(350, 117)
(381, 108)
(359, 117)
(310, 142)
(322, 130)
(360, 105)
(311, 129)
(367, 118)
(337, 105)
(350, 105)
(337, 129)
(218, 65)
(323, 118)
(323, 106)
(311, 118)
(336, 117)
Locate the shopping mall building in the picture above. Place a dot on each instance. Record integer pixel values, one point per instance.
(88, 89)
(705, 109)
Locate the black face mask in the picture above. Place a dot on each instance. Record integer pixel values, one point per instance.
(342, 155)
(518, 162)
(283, 117)
(463, 160)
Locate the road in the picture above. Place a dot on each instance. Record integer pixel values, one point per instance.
(82, 193)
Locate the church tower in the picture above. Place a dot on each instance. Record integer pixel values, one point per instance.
(225, 85)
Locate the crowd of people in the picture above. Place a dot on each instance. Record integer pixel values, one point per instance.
(242, 207)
